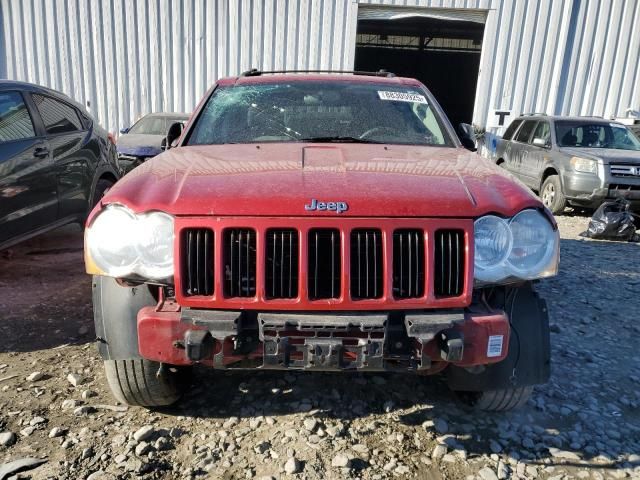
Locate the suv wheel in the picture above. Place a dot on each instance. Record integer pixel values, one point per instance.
(143, 383)
(102, 187)
(497, 400)
(552, 196)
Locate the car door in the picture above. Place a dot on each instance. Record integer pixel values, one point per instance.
(506, 144)
(520, 148)
(28, 194)
(538, 149)
(74, 154)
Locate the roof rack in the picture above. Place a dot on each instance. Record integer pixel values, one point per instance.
(540, 114)
(254, 72)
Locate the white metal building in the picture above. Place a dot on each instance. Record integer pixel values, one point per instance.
(125, 58)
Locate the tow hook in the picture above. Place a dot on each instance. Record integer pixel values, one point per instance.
(451, 345)
(198, 344)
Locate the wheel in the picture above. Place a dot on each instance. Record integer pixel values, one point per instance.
(508, 384)
(497, 400)
(143, 383)
(552, 196)
(102, 187)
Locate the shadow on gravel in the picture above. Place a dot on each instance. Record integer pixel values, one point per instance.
(367, 403)
(45, 294)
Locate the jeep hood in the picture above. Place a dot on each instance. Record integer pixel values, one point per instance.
(607, 155)
(280, 179)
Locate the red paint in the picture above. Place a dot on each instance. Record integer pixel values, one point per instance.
(397, 181)
(303, 225)
(158, 332)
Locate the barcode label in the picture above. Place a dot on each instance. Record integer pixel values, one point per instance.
(494, 346)
(402, 97)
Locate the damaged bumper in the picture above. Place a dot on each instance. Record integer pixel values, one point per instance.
(422, 341)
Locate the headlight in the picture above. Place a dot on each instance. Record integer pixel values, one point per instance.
(524, 247)
(584, 165)
(123, 244)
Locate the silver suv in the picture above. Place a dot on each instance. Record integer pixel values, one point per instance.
(577, 161)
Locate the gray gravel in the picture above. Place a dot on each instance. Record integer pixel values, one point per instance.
(585, 423)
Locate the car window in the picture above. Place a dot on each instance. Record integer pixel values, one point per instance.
(319, 112)
(150, 125)
(543, 131)
(585, 134)
(525, 132)
(508, 133)
(58, 117)
(15, 121)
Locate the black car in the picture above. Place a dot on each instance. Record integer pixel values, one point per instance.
(56, 162)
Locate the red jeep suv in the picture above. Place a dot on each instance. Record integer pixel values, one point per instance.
(328, 222)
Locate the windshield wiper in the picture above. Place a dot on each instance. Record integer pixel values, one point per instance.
(337, 139)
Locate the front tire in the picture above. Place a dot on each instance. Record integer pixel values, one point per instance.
(140, 382)
(552, 196)
(497, 400)
(508, 384)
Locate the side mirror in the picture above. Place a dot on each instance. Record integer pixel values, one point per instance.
(467, 136)
(540, 142)
(174, 132)
(124, 130)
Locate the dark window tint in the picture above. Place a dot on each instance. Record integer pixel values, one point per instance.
(543, 131)
(15, 122)
(525, 132)
(58, 117)
(508, 133)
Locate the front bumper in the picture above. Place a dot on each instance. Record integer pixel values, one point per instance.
(590, 191)
(422, 341)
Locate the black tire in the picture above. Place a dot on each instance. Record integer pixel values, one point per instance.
(508, 384)
(102, 187)
(552, 196)
(497, 400)
(137, 382)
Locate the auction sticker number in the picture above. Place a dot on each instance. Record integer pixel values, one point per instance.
(402, 97)
(494, 346)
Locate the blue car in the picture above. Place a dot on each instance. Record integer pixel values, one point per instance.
(143, 140)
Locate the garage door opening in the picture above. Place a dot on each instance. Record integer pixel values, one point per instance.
(439, 47)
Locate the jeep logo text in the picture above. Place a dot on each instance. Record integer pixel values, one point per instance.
(337, 207)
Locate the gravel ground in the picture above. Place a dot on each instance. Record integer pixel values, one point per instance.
(54, 402)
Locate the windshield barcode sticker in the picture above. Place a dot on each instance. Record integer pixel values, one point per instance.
(494, 347)
(402, 97)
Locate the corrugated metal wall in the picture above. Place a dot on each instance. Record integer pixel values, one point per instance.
(130, 57)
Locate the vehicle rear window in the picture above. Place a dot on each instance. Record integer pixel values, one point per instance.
(15, 121)
(320, 111)
(508, 133)
(525, 132)
(58, 117)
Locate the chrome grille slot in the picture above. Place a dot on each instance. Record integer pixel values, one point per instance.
(408, 263)
(449, 263)
(239, 262)
(366, 264)
(324, 263)
(281, 269)
(625, 170)
(197, 262)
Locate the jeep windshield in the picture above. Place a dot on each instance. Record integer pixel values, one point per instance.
(320, 112)
(595, 135)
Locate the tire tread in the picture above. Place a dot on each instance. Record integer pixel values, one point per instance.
(134, 382)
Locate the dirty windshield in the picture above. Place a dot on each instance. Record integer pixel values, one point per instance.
(595, 135)
(319, 112)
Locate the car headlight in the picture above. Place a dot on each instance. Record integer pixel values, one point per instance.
(121, 243)
(524, 247)
(584, 165)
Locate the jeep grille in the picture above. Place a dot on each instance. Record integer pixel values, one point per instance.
(197, 266)
(322, 263)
